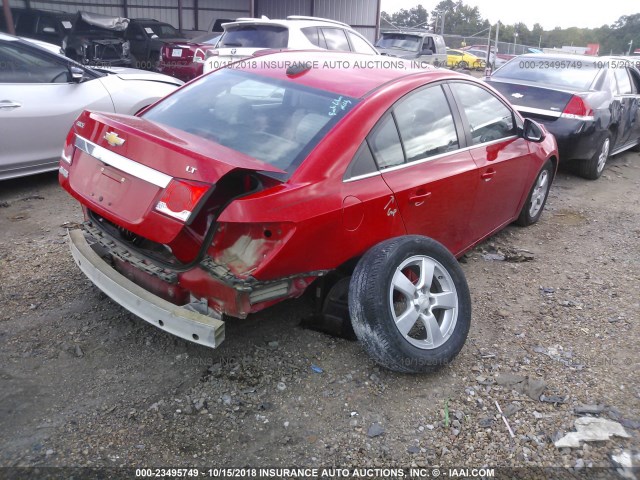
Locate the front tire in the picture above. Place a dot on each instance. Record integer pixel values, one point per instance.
(592, 169)
(533, 207)
(409, 304)
(463, 65)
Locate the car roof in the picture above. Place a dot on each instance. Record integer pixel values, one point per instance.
(371, 73)
(292, 21)
(55, 13)
(559, 56)
(414, 33)
(148, 20)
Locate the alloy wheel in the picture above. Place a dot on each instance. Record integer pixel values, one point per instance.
(424, 302)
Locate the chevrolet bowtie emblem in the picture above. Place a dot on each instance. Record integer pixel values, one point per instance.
(517, 95)
(113, 139)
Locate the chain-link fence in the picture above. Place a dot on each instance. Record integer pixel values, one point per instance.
(459, 41)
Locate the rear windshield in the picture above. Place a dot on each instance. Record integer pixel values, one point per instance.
(399, 41)
(273, 121)
(256, 36)
(576, 74)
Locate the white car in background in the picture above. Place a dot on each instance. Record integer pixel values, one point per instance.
(42, 93)
(246, 36)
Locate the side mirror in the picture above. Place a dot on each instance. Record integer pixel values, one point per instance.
(76, 73)
(532, 132)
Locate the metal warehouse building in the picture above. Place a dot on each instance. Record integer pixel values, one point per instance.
(363, 15)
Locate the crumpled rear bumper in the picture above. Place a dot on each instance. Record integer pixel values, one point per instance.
(189, 325)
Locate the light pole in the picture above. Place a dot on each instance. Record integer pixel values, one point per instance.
(515, 42)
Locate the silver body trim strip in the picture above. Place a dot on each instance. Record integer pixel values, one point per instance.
(428, 159)
(539, 111)
(446, 154)
(116, 160)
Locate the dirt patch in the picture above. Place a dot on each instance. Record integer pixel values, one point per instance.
(83, 382)
(570, 218)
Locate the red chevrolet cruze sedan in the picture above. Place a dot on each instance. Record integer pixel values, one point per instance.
(363, 178)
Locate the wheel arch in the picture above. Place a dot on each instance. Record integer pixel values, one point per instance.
(555, 163)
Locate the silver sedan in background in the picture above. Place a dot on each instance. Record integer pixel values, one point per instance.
(42, 93)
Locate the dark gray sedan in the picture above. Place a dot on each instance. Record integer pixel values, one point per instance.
(590, 104)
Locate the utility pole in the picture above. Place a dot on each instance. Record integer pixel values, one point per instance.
(444, 14)
(488, 66)
(8, 17)
(630, 47)
(497, 36)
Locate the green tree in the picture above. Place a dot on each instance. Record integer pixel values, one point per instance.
(459, 18)
(416, 17)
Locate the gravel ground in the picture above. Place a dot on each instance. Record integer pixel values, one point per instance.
(85, 383)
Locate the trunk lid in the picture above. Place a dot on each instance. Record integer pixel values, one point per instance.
(122, 165)
(183, 52)
(535, 101)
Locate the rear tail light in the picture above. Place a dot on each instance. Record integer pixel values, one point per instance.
(180, 198)
(212, 53)
(578, 109)
(199, 56)
(67, 151)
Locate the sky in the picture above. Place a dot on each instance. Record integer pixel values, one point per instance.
(548, 13)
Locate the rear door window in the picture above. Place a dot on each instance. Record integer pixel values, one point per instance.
(623, 81)
(314, 36)
(362, 163)
(385, 144)
(360, 45)
(256, 36)
(336, 39)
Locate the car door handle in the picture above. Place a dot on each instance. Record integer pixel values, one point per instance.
(488, 175)
(418, 197)
(9, 105)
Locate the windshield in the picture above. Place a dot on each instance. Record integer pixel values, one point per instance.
(399, 41)
(273, 121)
(161, 30)
(255, 36)
(578, 73)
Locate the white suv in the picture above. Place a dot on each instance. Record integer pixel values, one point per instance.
(244, 37)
